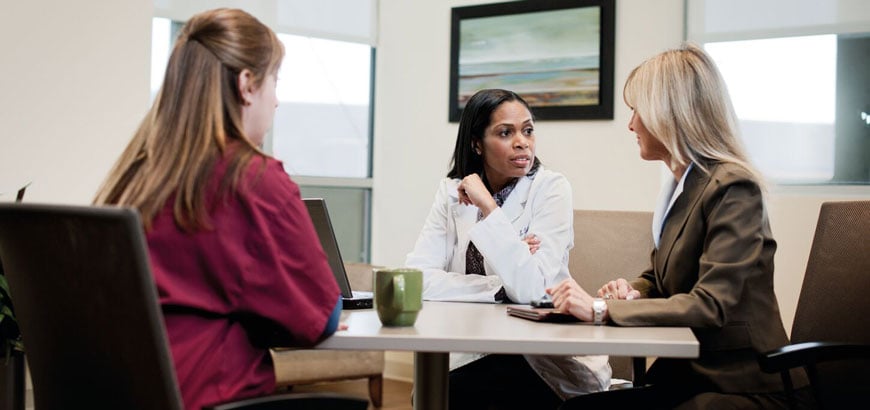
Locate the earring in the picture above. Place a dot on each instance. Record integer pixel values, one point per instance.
(477, 151)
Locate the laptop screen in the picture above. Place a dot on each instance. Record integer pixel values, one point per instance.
(323, 226)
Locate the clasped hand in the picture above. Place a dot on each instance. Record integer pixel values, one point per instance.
(618, 289)
(568, 296)
(472, 191)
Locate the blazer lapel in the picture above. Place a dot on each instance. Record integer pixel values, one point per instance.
(676, 220)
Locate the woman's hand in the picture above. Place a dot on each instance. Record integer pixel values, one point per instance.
(472, 191)
(618, 289)
(569, 297)
(533, 242)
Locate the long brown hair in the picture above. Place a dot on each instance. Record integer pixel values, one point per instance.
(196, 114)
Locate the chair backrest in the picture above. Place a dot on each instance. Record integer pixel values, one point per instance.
(610, 245)
(836, 287)
(834, 302)
(87, 307)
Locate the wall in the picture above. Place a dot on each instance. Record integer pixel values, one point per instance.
(75, 85)
(414, 141)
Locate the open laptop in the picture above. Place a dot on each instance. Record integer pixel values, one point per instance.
(320, 217)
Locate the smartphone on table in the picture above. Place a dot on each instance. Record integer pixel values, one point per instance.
(543, 302)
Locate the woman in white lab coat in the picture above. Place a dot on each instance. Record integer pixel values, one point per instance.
(500, 230)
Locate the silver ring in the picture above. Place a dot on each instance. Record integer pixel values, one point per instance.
(608, 296)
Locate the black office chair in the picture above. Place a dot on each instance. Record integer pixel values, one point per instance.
(13, 382)
(88, 312)
(830, 337)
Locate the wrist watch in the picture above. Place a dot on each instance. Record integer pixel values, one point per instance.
(598, 308)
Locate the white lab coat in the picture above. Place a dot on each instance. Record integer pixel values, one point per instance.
(540, 205)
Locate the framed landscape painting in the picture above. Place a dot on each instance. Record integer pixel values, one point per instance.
(556, 54)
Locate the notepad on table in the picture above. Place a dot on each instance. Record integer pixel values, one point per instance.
(541, 314)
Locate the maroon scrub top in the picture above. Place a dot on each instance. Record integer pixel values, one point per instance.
(257, 275)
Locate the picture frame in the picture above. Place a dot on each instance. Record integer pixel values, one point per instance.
(556, 54)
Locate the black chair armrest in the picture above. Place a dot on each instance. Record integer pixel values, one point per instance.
(296, 401)
(809, 353)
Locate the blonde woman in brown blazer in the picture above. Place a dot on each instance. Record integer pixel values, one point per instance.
(712, 267)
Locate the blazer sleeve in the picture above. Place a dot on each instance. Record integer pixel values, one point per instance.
(526, 276)
(732, 254)
(646, 282)
(433, 252)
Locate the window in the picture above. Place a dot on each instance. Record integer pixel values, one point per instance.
(322, 125)
(161, 45)
(798, 81)
(800, 117)
(322, 131)
(785, 102)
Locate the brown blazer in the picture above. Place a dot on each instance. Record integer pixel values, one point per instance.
(713, 272)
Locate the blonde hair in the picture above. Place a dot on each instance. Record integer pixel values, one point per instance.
(197, 112)
(682, 100)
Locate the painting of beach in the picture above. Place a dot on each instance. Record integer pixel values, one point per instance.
(551, 58)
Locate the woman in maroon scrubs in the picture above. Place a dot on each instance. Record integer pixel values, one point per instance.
(236, 260)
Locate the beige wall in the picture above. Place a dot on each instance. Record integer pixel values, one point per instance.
(74, 80)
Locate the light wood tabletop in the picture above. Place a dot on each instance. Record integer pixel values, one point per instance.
(444, 327)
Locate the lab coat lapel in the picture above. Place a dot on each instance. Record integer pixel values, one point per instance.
(515, 204)
(464, 217)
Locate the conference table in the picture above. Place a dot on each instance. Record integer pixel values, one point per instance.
(444, 327)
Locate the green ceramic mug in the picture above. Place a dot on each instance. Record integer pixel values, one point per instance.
(398, 295)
